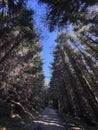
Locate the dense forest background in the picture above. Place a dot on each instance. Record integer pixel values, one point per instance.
(21, 74)
(74, 83)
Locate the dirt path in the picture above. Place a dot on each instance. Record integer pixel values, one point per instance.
(49, 120)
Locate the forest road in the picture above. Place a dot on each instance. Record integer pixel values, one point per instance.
(49, 120)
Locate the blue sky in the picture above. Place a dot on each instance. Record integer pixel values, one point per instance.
(48, 47)
(47, 38)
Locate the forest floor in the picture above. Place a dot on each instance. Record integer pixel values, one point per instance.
(18, 121)
(52, 120)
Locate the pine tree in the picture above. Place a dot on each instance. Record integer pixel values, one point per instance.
(74, 79)
(21, 73)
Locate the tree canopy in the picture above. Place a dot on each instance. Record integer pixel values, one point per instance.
(64, 12)
(21, 65)
(73, 86)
